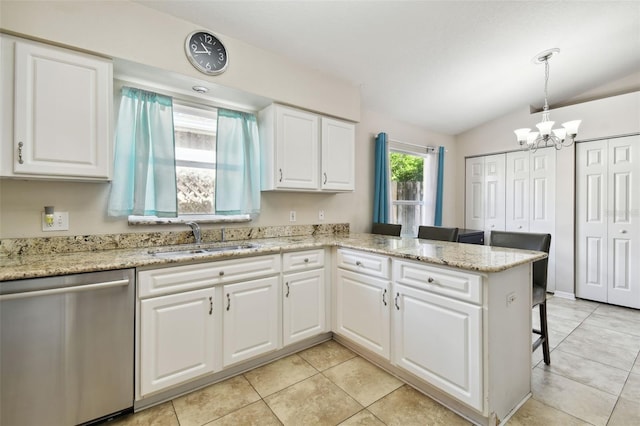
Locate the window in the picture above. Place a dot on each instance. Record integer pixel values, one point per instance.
(195, 137)
(410, 202)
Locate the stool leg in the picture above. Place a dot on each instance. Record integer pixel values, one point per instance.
(544, 333)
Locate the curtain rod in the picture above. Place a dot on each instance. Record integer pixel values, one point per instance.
(429, 148)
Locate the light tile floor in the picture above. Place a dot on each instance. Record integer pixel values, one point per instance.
(593, 379)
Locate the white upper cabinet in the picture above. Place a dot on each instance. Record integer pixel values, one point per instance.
(338, 155)
(302, 151)
(61, 113)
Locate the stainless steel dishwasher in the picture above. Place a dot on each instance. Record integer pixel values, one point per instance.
(66, 348)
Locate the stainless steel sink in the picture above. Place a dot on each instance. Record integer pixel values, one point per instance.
(200, 250)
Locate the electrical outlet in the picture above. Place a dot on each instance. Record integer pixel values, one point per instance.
(321, 215)
(292, 216)
(60, 222)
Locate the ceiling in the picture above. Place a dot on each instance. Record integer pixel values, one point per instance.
(446, 66)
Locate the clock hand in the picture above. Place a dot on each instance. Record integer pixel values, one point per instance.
(205, 49)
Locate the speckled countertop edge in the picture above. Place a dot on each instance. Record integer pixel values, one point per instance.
(483, 259)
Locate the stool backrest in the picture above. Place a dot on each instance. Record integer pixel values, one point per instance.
(438, 233)
(386, 229)
(527, 241)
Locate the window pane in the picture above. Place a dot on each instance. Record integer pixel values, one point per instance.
(195, 136)
(196, 188)
(407, 191)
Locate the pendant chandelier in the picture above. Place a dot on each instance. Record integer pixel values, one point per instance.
(546, 135)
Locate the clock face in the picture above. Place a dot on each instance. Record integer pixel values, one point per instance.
(206, 52)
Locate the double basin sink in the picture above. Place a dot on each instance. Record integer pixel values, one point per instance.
(201, 249)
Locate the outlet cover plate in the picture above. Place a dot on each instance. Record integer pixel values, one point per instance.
(60, 222)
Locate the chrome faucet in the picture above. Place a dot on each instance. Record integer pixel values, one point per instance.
(195, 228)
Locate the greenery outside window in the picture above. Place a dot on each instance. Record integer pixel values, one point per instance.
(408, 202)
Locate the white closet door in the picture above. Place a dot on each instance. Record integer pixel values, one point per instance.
(591, 220)
(542, 203)
(474, 193)
(623, 191)
(517, 192)
(494, 178)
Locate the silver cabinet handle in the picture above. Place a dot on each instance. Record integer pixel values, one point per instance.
(306, 260)
(358, 263)
(210, 305)
(280, 170)
(384, 297)
(396, 301)
(221, 273)
(228, 302)
(623, 231)
(20, 146)
(325, 178)
(430, 280)
(287, 295)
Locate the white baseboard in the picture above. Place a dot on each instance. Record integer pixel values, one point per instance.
(564, 295)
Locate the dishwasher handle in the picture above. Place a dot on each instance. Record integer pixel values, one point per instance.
(71, 289)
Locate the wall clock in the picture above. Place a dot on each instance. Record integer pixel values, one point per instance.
(206, 53)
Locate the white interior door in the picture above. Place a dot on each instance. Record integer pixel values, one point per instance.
(474, 193)
(591, 220)
(517, 192)
(494, 194)
(623, 193)
(542, 203)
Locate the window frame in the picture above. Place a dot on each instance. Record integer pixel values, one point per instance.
(189, 100)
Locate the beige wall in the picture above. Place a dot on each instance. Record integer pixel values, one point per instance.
(617, 115)
(130, 31)
(158, 43)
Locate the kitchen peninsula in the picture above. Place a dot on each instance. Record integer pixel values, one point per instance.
(450, 319)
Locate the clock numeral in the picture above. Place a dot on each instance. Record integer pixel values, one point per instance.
(208, 38)
(208, 66)
(221, 57)
(194, 47)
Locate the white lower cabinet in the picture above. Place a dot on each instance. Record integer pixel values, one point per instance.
(438, 339)
(303, 305)
(250, 319)
(304, 301)
(362, 310)
(177, 342)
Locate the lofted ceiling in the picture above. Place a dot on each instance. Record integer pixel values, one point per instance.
(446, 66)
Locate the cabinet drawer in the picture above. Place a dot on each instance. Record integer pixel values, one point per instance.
(364, 263)
(188, 277)
(459, 285)
(302, 260)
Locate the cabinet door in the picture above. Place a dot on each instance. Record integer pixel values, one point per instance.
(250, 320)
(362, 311)
(177, 341)
(338, 155)
(304, 305)
(448, 351)
(623, 228)
(62, 113)
(297, 154)
(591, 220)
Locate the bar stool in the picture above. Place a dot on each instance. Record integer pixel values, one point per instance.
(386, 229)
(538, 242)
(437, 233)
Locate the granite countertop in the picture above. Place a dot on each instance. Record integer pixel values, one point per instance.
(470, 257)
